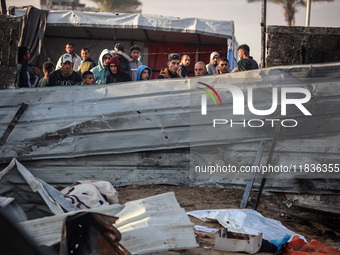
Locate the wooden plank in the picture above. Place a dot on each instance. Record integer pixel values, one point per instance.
(12, 124)
(252, 176)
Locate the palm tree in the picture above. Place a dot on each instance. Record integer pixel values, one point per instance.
(290, 7)
(127, 6)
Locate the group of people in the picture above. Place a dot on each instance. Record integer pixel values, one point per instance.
(116, 66)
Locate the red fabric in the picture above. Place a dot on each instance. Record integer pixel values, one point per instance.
(299, 247)
(158, 55)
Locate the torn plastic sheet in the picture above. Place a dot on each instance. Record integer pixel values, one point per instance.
(245, 221)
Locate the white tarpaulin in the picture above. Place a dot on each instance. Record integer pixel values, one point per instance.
(219, 28)
(245, 221)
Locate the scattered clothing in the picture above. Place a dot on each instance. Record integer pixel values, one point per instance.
(27, 78)
(91, 194)
(298, 246)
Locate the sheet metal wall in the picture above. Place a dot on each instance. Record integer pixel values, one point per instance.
(138, 133)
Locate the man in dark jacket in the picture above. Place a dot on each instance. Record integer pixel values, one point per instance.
(27, 78)
(173, 65)
(116, 73)
(65, 76)
(245, 59)
(184, 65)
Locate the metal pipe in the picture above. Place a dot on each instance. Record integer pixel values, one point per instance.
(263, 33)
(308, 13)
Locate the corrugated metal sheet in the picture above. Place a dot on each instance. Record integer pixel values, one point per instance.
(151, 224)
(139, 133)
(78, 121)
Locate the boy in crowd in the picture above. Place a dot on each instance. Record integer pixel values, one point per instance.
(48, 68)
(135, 63)
(88, 78)
(143, 73)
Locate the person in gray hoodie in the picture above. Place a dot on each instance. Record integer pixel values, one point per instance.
(212, 66)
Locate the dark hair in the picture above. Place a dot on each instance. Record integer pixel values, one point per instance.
(22, 51)
(69, 43)
(85, 74)
(48, 66)
(84, 49)
(119, 47)
(184, 56)
(134, 47)
(222, 59)
(244, 64)
(244, 47)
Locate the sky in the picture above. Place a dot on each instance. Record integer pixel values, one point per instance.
(246, 16)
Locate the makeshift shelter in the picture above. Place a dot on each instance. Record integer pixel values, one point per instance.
(156, 35)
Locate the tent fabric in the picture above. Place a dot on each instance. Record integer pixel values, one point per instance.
(218, 28)
(102, 30)
(33, 31)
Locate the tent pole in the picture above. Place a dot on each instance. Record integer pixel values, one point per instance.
(308, 13)
(3, 7)
(115, 38)
(263, 33)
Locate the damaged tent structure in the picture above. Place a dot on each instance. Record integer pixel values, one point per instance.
(156, 35)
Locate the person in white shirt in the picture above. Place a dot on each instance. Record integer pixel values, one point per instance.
(76, 58)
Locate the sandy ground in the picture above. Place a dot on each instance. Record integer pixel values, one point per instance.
(320, 227)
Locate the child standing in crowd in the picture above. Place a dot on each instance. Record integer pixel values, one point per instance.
(48, 67)
(135, 63)
(143, 73)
